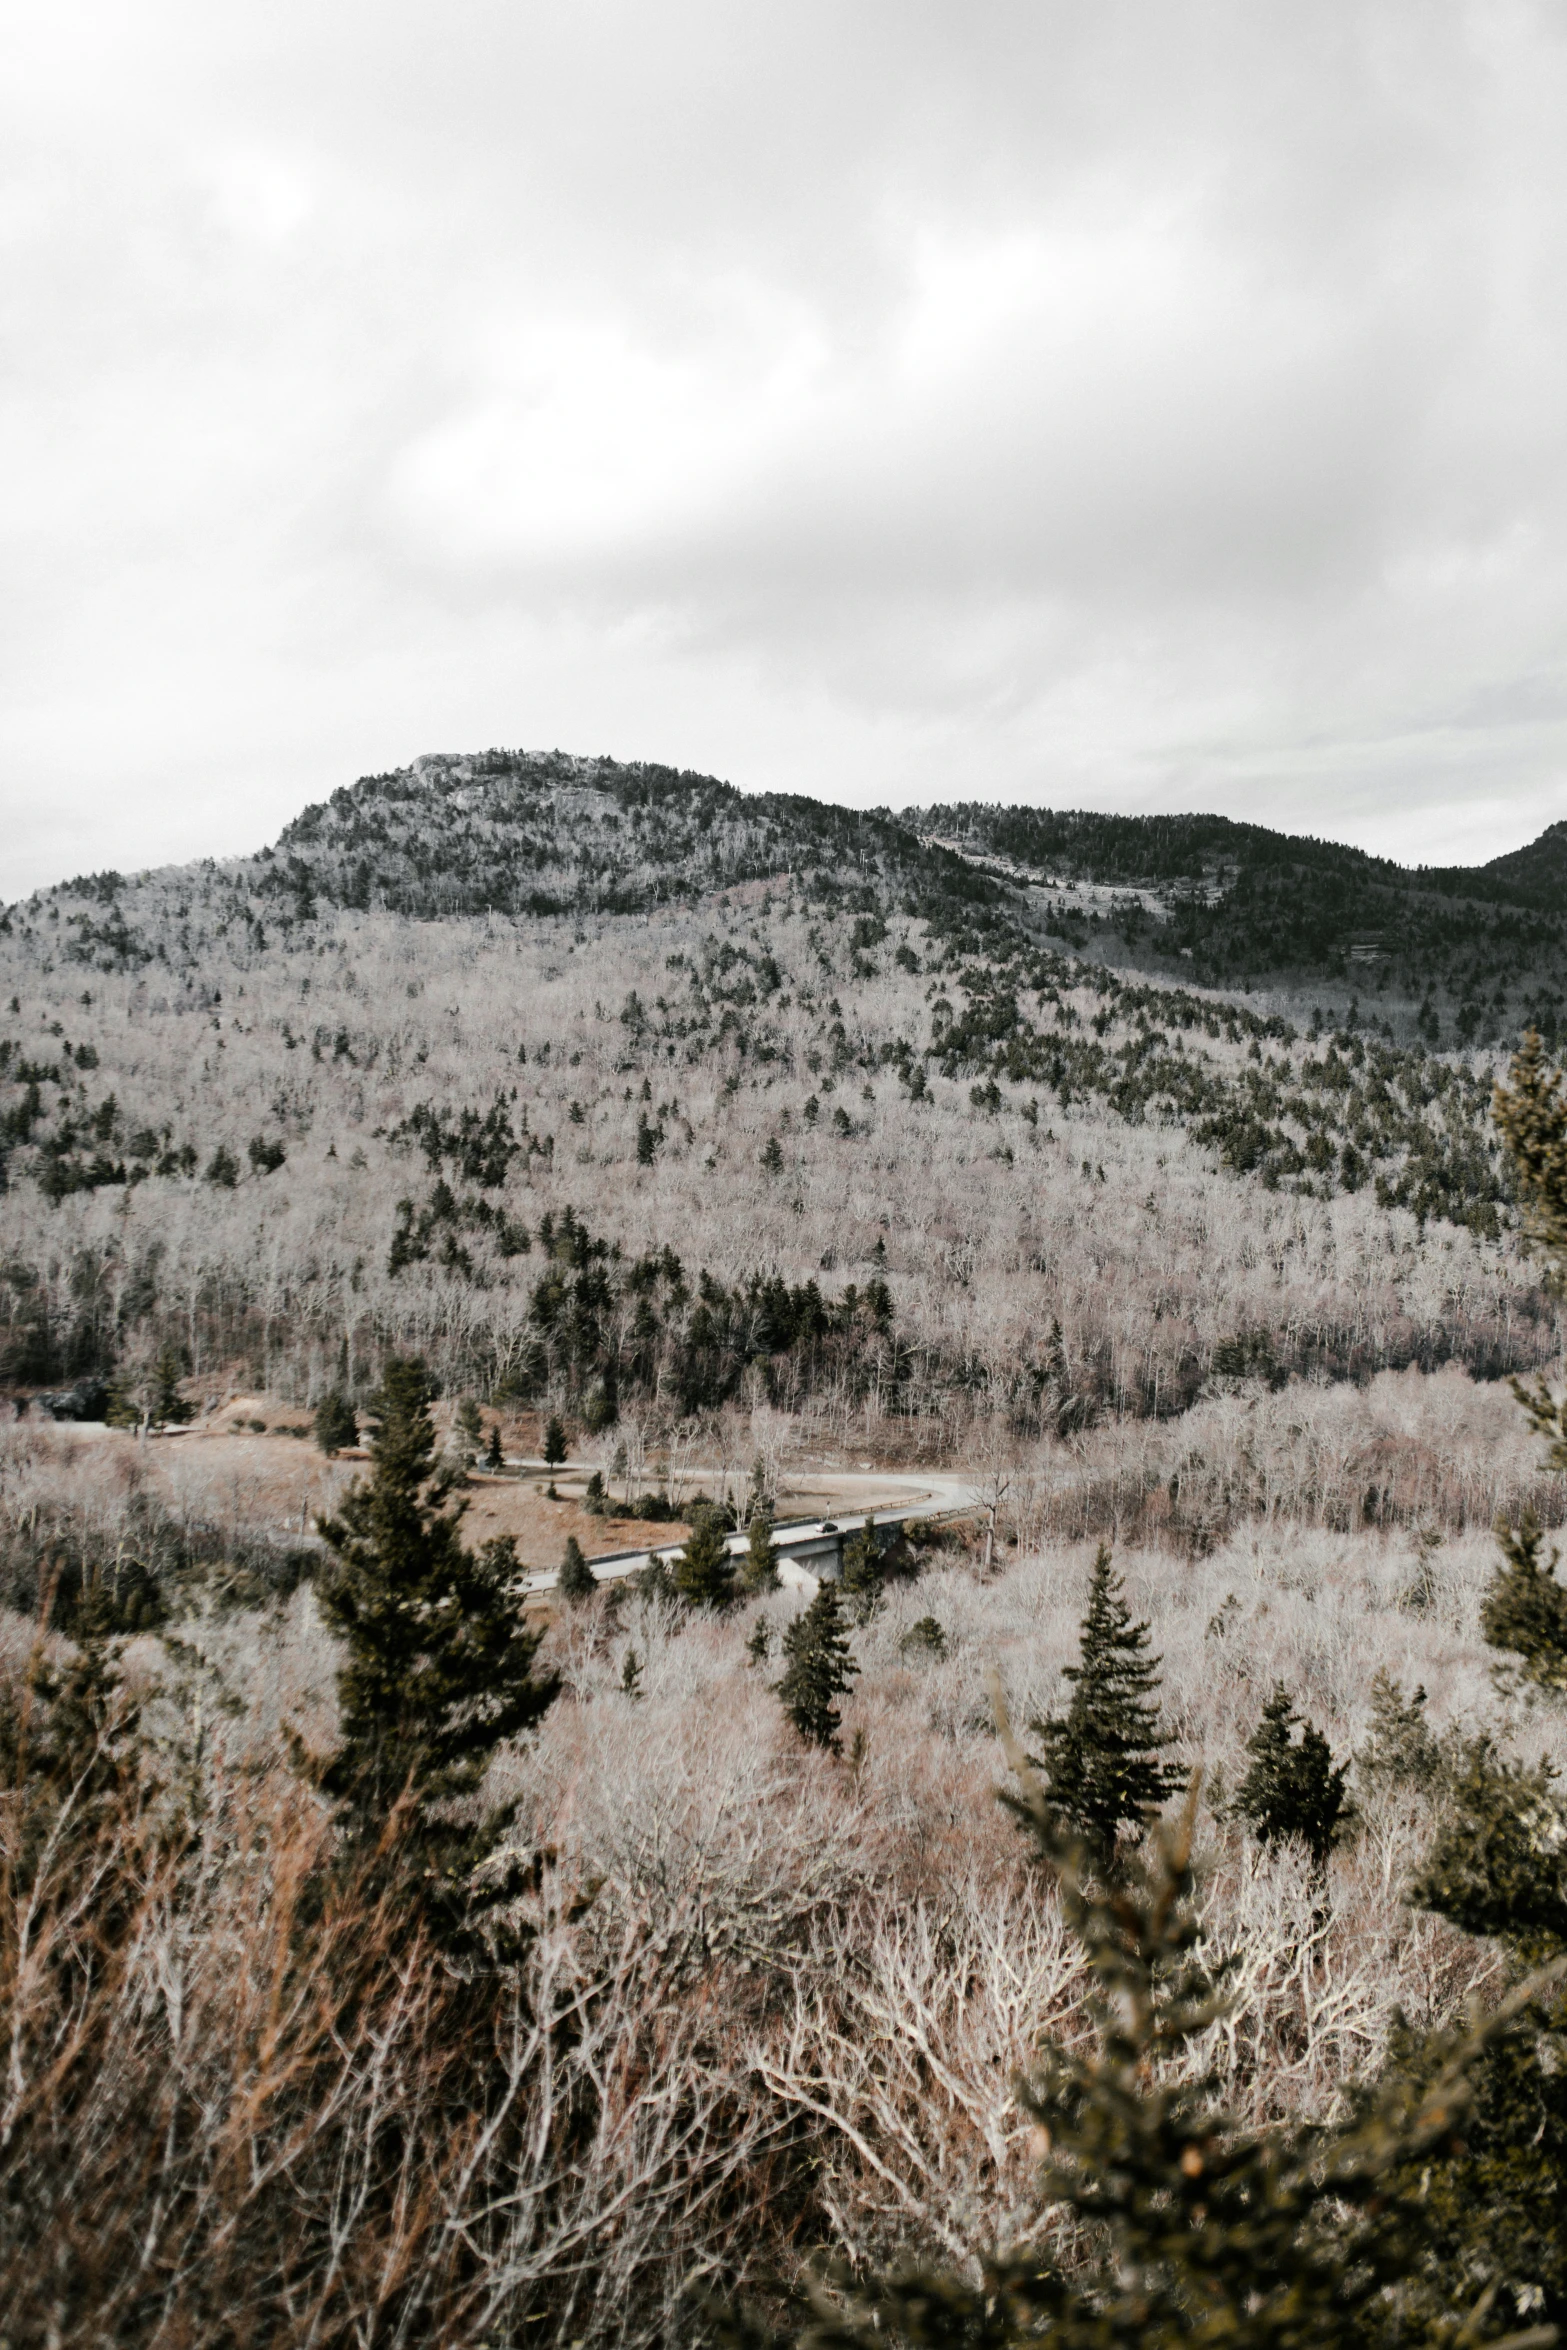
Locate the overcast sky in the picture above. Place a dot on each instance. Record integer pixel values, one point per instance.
(1129, 406)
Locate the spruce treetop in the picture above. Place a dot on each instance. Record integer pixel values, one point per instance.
(759, 1570)
(1525, 1609)
(704, 1571)
(1100, 1760)
(819, 1667)
(576, 1580)
(335, 1424)
(439, 1663)
(1294, 1791)
(1494, 2210)
(862, 1575)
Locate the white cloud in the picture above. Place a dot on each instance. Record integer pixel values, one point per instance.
(1139, 406)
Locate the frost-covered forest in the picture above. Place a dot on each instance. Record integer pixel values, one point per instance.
(667, 1128)
(710, 1099)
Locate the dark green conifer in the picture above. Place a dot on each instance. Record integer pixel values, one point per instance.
(469, 1422)
(862, 1577)
(1531, 1117)
(335, 1424)
(759, 1568)
(631, 1674)
(1400, 1750)
(1525, 1608)
(439, 1664)
(1294, 1791)
(924, 1638)
(554, 1442)
(819, 1667)
(576, 1580)
(1494, 2204)
(704, 1571)
(169, 1407)
(1497, 1865)
(1100, 1759)
(494, 1458)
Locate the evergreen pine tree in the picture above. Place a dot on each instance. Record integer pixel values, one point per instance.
(759, 1568)
(439, 1663)
(494, 1458)
(470, 1423)
(1525, 1608)
(631, 1674)
(169, 1407)
(554, 1442)
(576, 1580)
(819, 1667)
(1531, 1117)
(759, 1646)
(335, 1424)
(1294, 1789)
(1497, 1865)
(704, 1571)
(1400, 1750)
(1100, 1759)
(924, 1638)
(862, 1578)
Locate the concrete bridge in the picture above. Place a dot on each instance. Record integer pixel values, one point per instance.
(809, 1551)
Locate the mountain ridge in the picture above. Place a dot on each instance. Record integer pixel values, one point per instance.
(1466, 951)
(1101, 846)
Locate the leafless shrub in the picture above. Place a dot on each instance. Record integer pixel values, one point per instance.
(771, 2002)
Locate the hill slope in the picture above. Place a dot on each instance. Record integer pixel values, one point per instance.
(609, 1085)
(1472, 950)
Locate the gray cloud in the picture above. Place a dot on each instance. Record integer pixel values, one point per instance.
(1137, 406)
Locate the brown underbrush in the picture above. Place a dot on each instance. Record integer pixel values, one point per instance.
(769, 2001)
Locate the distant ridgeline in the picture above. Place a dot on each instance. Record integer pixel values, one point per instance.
(547, 833)
(527, 833)
(1241, 903)
(520, 833)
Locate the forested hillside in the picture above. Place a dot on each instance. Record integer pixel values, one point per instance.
(603, 1083)
(1449, 954)
(527, 1159)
